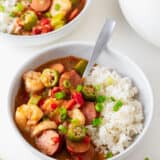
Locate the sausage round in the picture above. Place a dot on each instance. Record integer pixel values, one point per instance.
(48, 142)
(89, 155)
(40, 5)
(77, 147)
(72, 76)
(89, 112)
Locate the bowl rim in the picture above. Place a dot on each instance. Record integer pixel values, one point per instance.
(89, 44)
(52, 33)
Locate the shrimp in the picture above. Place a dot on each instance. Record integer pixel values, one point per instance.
(50, 104)
(33, 82)
(76, 114)
(27, 116)
(44, 125)
(65, 7)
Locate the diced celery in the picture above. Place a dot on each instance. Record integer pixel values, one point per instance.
(34, 99)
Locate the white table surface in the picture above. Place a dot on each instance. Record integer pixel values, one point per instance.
(124, 40)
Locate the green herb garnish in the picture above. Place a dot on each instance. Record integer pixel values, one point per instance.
(109, 155)
(99, 107)
(60, 95)
(117, 105)
(96, 122)
(79, 88)
(101, 99)
(62, 129)
(63, 113)
(57, 7)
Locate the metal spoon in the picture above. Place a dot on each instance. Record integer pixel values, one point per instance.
(102, 40)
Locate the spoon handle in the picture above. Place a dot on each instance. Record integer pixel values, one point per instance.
(102, 40)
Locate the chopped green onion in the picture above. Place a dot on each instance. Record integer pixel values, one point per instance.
(62, 129)
(108, 98)
(96, 122)
(18, 8)
(48, 15)
(2, 9)
(113, 99)
(57, 7)
(79, 88)
(99, 107)
(101, 99)
(63, 113)
(12, 14)
(109, 155)
(117, 105)
(60, 95)
(97, 87)
(34, 99)
(67, 84)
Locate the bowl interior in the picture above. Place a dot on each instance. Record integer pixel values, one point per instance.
(108, 58)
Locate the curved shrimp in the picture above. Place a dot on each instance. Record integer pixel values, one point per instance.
(44, 125)
(65, 7)
(33, 82)
(27, 116)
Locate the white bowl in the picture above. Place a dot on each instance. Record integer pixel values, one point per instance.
(35, 40)
(110, 59)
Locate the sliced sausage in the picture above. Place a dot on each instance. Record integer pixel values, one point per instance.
(40, 5)
(89, 112)
(58, 67)
(48, 142)
(73, 14)
(89, 155)
(72, 76)
(77, 147)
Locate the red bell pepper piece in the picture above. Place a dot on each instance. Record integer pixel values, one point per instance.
(70, 104)
(53, 106)
(56, 139)
(41, 102)
(87, 140)
(77, 96)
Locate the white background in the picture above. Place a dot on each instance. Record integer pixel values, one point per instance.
(124, 40)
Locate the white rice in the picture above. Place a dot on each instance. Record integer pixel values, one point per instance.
(6, 21)
(118, 129)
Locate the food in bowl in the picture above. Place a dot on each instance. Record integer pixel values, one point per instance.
(66, 116)
(32, 17)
